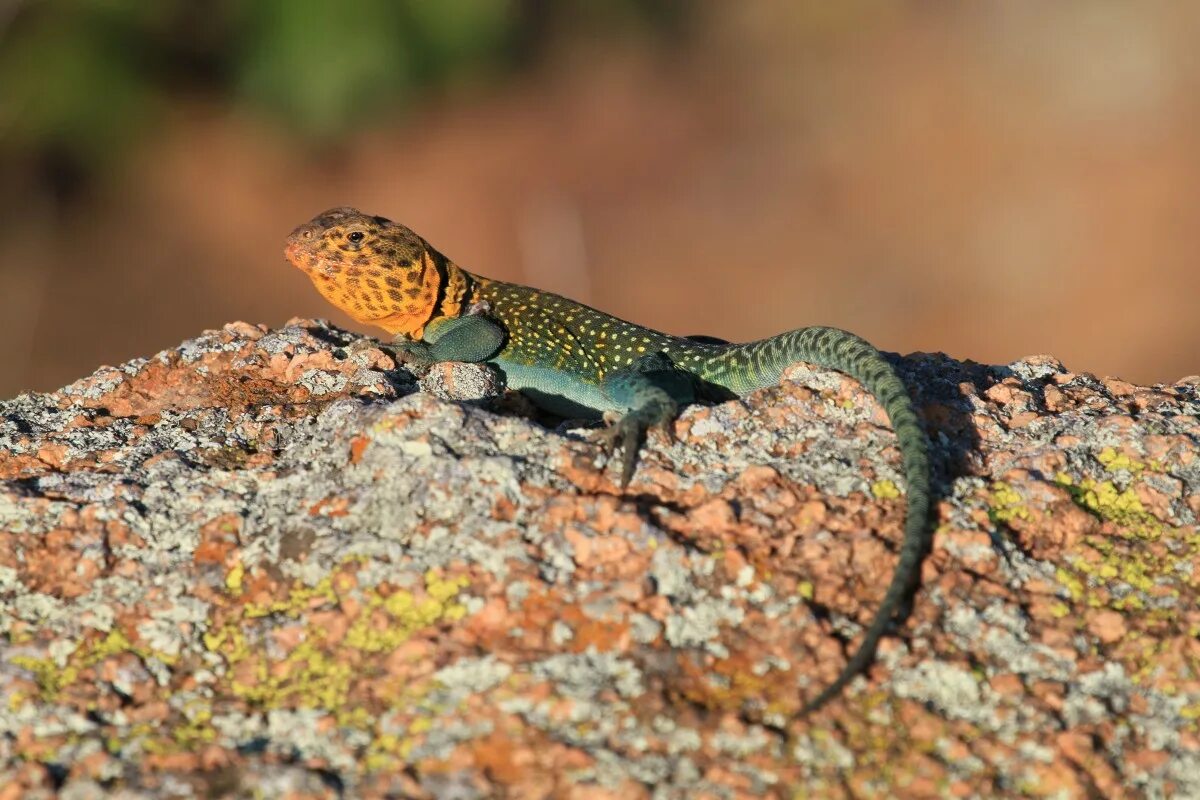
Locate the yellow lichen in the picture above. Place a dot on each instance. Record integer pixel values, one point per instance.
(16, 700)
(382, 752)
(233, 580)
(318, 673)
(113, 643)
(52, 678)
(1071, 581)
(49, 677)
(297, 601)
(197, 729)
(1127, 575)
(1005, 503)
(1123, 508)
(885, 490)
(1113, 461)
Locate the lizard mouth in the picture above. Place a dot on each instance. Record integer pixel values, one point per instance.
(303, 259)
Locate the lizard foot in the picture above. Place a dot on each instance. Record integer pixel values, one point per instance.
(410, 353)
(652, 388)
(365, 343)
(629, 432)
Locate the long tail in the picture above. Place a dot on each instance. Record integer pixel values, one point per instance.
(853, 355)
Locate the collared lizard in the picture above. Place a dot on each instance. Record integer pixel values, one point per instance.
(577, 362)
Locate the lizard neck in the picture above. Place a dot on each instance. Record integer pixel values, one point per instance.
(440, 289)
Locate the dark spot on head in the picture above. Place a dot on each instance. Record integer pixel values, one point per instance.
(362, 261)
(395, 295)
(414, 292)
(374, 284)
(393, 282)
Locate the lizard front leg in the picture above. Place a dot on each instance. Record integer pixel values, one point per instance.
(470, 339)
(651, 390)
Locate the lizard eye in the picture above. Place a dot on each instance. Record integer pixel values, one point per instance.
(355, 236)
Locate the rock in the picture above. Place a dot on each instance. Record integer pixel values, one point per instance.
(263, 561)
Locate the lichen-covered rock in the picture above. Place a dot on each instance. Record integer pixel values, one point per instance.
(263, 563)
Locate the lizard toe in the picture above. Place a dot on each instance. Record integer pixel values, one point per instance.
(627, 435)
(411, 354)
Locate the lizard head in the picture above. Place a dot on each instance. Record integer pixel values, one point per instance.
(375, 270)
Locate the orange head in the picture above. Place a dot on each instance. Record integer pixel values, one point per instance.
(376, 270)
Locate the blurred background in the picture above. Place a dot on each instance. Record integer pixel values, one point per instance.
(988, 180)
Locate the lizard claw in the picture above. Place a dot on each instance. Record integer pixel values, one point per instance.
(629, 433)
(668, 429)
(626, 434)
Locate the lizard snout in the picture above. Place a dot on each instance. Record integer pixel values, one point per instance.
(296, 247)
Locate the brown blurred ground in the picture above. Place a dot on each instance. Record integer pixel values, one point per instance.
(989, 182)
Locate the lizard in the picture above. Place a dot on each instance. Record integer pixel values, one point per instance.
(578, 362)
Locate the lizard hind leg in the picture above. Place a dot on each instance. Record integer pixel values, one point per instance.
(650, 390)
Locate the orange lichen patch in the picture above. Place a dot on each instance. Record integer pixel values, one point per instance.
(501, 759)
(595, 635)
(491, 621)
(592, 552)
(173, 762)
(330, 507)
(178, 386)
(1049, 530)
(218, 538)
(175, 383)
(257, 587)
(53, 455)
(42, 573)
(14, 466)
(299, 363)
(737, 683)
(54, 563)
(713, 518)
(1107, 626)
(358, 446)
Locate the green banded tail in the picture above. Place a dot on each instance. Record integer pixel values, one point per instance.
(761, 363)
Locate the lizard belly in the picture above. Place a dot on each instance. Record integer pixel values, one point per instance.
(556, 391)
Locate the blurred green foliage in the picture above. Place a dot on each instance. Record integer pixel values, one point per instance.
(326, 66)
(81, 78)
